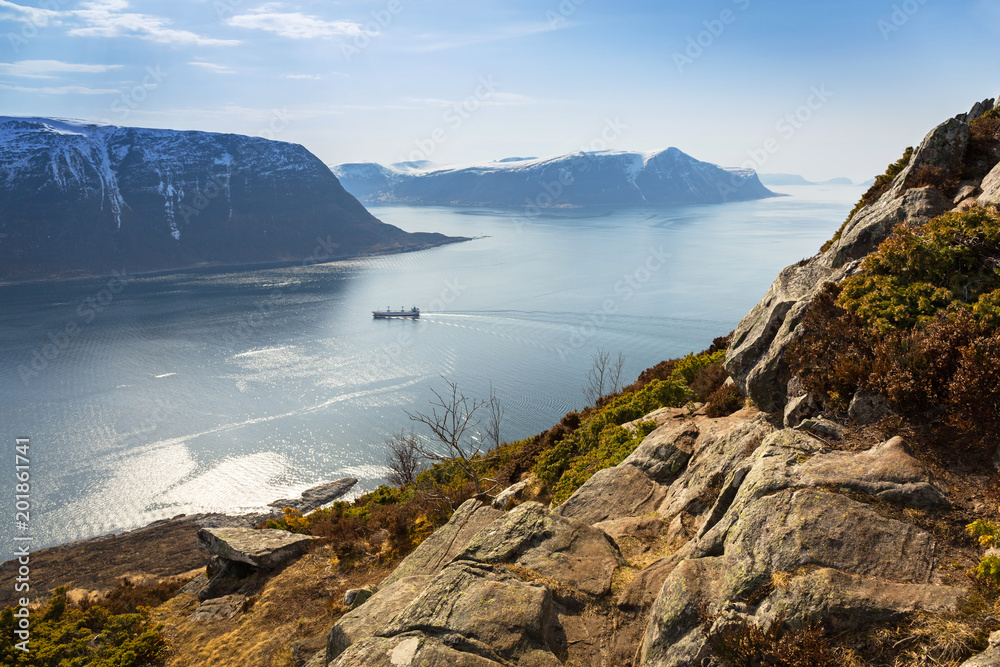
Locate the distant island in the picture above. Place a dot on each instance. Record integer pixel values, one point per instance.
(605, 178)
(795, 179)
(82, 199)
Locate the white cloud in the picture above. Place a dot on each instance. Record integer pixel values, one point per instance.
(13, 12)
(47, 69)
(62, 90)
(212, 67)
(294, 25)
(107, 18)
(314, 77)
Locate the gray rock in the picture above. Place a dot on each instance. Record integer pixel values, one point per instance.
(988, 658)
(995, 639)
(356, 597)
(969, 189)
(662, 454)
(195, 586)
(991, 188)
(613, 493)
(381, 608)
(800, 408)
(867, 407)
(218, 609)
(508, 498)
(411, 651)
(481, 610)
(943, 147)
(446, 542)
(316, 497)
(824, 428)
(265, 549)
(532, 537)
(978, 109)
(846, 601)
(873, 224)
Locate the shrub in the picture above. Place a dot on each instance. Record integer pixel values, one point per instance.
(724, 401)
(553, 463)
(65, 635)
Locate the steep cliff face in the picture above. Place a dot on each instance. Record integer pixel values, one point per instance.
(83, 199)
(755, 358)
(608, 178)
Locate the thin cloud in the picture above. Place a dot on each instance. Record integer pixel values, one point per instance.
(293, 25)
(444, 43)
(107, 18)
(39, 17)
(49, 69)
(212, 67)
(314, 77)
(62, 90)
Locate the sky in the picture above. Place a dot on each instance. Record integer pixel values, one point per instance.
(821, 89)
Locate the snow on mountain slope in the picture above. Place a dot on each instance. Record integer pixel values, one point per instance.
(580, 179)
(82, 199)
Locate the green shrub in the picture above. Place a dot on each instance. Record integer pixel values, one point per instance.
(64, 635)
(553, 463)
(915, 274)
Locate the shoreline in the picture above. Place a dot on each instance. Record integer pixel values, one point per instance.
(235, 268)
(158, 550)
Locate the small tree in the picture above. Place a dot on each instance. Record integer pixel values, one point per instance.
(604, 376)
(455, 436)
(403, 458)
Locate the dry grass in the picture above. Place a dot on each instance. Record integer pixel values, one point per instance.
(299, 603)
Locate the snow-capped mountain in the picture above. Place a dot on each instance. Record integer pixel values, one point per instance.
(606, 178)
(86, 199)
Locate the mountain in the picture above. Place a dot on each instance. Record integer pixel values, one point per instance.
(795, 179)
(85, 199)
(606, 178)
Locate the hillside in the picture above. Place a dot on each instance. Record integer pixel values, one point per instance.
(821, 488)
(83, 199)
(607, 178)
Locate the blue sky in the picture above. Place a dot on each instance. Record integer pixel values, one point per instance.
(821, 89)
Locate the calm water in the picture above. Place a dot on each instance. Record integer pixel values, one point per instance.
(198, 391)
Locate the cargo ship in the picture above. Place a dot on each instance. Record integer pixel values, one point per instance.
(412, 313)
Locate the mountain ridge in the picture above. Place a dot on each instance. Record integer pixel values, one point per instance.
(608, 178)
(86, 199)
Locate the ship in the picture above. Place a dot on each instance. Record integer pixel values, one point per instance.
(412, 313)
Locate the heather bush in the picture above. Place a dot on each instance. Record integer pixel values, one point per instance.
(66, 635)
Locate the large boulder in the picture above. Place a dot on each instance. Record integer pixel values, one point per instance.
(265, 549)
(482, 610)
(409, 651)
(377, 610)
(446, 542)
(795, 512)
(988, 658)
(991, 188)
(532, 537)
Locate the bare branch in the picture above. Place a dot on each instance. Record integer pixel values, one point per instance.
(454, 422)
(403, 458)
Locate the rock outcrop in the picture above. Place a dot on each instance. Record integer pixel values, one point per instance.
(755, 358)
(709, 522)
